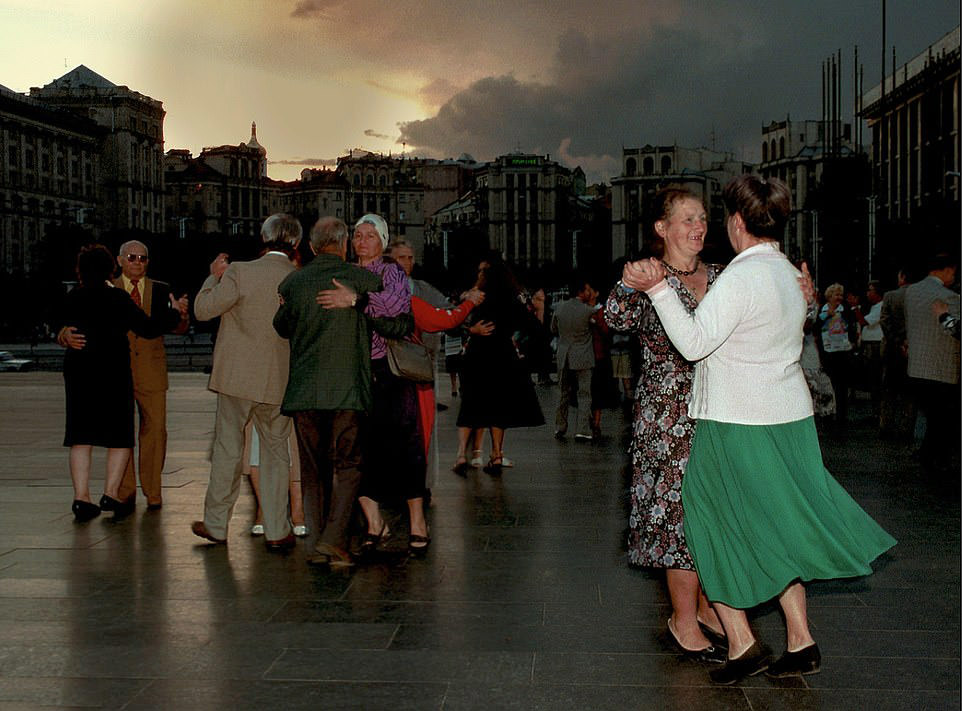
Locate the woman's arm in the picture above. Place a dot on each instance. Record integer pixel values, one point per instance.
(431, 319)
(395, 298)
(700, 334)
(626, 309)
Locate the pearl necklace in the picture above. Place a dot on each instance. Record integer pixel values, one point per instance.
(681, 272)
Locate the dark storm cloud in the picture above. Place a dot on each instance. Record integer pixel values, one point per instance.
(313, 8)
(703, 80)
(304, 161)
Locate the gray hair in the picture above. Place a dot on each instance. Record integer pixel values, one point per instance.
(399, 243)
(328, 232)
(130, 243)
(281, 227)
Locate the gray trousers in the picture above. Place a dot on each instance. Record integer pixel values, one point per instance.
(574, 381)
(226, 464)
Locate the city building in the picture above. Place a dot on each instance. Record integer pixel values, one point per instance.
(828, 178)
(526, 207)
(224, 190)
(49, 179)
(131, 152)
(646, 170)
(913, 116)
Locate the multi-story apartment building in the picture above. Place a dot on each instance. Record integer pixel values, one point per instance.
(49, 178)
(645, 170)
(223, 190)
(131, 153)
(913, 115)
(319, 193)
(828, 179)
(526, 207)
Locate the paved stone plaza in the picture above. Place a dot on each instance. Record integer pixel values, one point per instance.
(523, 602)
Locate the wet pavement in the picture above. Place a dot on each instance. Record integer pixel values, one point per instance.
(524, 600)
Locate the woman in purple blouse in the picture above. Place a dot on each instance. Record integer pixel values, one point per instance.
(394, 462)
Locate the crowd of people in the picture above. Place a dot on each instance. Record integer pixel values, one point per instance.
(728, 370)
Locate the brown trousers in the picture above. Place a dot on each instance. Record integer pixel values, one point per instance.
(329, 445)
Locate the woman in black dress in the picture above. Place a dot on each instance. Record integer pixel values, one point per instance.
(97, 380)
(496, 387)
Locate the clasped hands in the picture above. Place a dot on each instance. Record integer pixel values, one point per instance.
(643, 274)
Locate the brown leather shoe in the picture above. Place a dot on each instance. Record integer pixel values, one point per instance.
(334, 556)
(199, 528)
(283, 544)
(155, 504)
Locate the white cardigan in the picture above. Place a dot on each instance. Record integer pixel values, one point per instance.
(746, 336)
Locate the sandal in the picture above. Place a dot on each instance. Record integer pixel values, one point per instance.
(371, 541)
(422, 541)
(493, 467)
(476, 458)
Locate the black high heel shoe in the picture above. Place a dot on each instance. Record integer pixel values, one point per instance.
(84, 511)
(419, 549)
(371, 541)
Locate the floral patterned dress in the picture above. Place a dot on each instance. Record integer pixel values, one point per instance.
(661, 430)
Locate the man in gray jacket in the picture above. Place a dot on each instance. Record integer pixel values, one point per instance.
(933, 365)
(576, 357)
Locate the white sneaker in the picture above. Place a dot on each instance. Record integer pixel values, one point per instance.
(300, 531)
(257, 529)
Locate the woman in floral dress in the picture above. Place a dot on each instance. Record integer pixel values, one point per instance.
(662, 432)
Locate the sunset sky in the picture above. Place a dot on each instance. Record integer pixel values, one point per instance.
(574, 80)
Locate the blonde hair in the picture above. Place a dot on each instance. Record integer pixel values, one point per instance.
(832, 289)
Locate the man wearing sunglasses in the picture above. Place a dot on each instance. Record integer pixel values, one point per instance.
(148, 367)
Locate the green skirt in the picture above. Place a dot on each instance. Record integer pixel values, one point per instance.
(761, 511)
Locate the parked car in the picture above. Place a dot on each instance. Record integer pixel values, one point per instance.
(8, 362)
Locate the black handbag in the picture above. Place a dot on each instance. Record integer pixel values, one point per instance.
(410, 360)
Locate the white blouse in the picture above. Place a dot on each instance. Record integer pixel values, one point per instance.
(746, 336)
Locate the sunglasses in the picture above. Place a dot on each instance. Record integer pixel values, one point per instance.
(136, 258)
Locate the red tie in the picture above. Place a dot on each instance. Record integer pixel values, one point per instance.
(135, 293)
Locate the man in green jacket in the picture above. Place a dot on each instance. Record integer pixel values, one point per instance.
(329, 388)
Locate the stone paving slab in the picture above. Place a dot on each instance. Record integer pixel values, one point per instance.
(523, 602)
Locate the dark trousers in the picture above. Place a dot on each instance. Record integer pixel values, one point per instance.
(330, 451)
(939, 403)
(838, 368)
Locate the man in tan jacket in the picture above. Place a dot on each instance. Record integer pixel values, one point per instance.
(249, 375)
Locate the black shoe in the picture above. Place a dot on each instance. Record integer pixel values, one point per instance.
(418, 550)
(493, 467)
(753, 660)
(710, 654)
(718, 639)
(84, 511)
(126, 507)
(109, 503)
(371, 541)
(560, 436)
(807, 660)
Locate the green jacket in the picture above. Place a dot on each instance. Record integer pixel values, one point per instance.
(330, 348)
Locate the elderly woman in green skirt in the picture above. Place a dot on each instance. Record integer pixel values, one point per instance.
(762, 514)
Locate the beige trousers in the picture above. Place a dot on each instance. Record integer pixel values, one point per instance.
(226, 463)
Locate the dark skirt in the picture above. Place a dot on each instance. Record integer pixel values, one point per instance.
(496, 387)
(99, 403)
(394, 464)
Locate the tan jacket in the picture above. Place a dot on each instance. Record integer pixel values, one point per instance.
(250, 360)
(148, 359)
